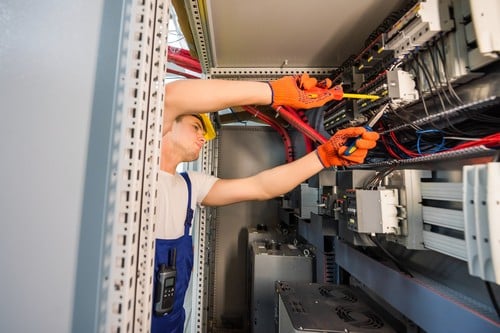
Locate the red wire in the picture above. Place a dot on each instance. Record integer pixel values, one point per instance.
(492, 140)
(388, 148)
(177, 50)
(185, 62)
(296, 122)
(187, 75)
(488, 141)
(307, 141)
(274, 124)
(401, 147)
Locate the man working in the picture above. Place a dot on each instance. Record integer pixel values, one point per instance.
(185, 131)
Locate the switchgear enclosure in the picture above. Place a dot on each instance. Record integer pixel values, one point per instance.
(82, 98)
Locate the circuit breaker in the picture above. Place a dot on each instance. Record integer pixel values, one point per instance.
(376, 212)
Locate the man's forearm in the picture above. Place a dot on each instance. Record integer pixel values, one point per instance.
(200, 96)
(284, 178)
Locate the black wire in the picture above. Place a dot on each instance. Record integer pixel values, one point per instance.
(396, 113)
(492, 297)
(419, 89)
(391, 257)
(443, 61)
(438, 74)
(486, 118)
(430, 81)
(235, 115)
(450, 125)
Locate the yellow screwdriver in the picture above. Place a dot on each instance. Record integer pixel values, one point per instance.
(361, 96)
(349, 95)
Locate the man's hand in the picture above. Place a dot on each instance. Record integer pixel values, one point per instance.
(332, 152)
(303, 92)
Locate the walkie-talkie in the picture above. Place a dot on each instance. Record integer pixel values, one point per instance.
(165, 287)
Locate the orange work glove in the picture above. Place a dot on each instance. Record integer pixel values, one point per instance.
(332, 152)
(303, 92)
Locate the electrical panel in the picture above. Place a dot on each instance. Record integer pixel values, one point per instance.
(429, 69)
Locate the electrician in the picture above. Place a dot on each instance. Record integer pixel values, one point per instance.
(186, 128)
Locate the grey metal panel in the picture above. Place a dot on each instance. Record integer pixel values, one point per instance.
(48, 56)
(85, 311)
(317, 307)
(287, 33)
(269, 265)
(281, 37)
(423, 301)
(319, 227)
(284, 321)
(243, 151)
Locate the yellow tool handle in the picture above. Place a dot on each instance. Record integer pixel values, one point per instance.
(361, 96)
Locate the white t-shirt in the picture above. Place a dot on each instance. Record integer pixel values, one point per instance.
(172, 201)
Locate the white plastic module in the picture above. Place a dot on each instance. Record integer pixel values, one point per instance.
(419, 25)
(377, 211)
(481, 213)
(485, 15)
(493, 214)
(401, 86)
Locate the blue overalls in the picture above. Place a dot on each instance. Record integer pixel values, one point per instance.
(173, 322)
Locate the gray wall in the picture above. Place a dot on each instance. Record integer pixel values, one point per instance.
(48, 64)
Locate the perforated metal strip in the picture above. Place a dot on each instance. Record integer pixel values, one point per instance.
(152, 153)
(265, 73)
(199, 29)
(132, 177)
(201, 271)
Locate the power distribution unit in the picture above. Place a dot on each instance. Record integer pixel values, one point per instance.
(273, 262)
(263, 233)
(322, 308)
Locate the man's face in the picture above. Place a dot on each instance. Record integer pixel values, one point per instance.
(187, 134)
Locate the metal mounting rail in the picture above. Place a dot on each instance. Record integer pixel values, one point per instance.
(447, 160)
(262, 74)
(469, 107)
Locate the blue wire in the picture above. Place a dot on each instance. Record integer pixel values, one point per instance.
(439, 147)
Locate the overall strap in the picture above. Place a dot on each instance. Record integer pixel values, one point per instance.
(189, 211)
